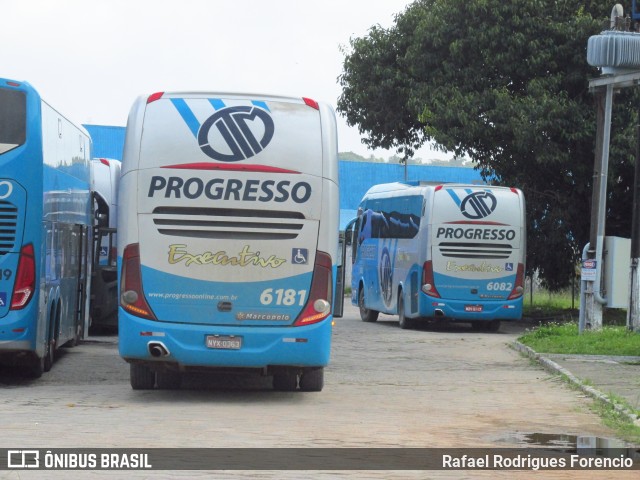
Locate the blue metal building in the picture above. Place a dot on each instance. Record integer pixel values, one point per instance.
(108, 141)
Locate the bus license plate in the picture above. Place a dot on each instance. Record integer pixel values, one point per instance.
(473, 308)
(224, 342)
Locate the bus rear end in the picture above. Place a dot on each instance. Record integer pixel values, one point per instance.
(476, 267)
(20, 248)
(228, 231)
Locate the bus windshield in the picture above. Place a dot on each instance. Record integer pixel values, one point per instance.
(13, 119)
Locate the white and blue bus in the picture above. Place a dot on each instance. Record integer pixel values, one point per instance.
(448, 251)
(228, 237)
(45, 228)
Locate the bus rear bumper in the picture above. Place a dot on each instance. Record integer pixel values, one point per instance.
(16, 337)
(185, 346)
(470, 311)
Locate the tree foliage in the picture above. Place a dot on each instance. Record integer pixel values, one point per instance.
(507, 85)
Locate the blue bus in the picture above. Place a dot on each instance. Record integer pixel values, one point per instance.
(452, 252)
(228, 217)
(45, 229)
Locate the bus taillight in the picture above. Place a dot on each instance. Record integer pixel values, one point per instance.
(428, 283)
(154, 96)
(311, 103)
(131, 293)
(25, 279)
(318, 306)
(518, 288)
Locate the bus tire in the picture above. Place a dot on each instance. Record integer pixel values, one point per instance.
(365, 314)
(493, 326)
(168, 380)
(141, 377)
(285, 381)
(48, 358)
(403, 321)
(312, 380)
(36, 368)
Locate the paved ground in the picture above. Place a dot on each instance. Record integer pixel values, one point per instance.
(433, 387)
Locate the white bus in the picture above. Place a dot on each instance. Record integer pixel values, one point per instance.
(105, 177)
(228, 237)
(447, 251)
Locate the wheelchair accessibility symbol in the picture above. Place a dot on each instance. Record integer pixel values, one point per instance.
(299, 256)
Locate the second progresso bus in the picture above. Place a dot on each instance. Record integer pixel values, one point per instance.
(450, 252)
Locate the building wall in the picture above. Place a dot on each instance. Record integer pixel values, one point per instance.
(108, 141)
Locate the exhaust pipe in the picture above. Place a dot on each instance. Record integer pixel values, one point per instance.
(158, 349)
(439, 312)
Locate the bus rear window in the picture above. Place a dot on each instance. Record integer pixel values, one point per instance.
(13, 119)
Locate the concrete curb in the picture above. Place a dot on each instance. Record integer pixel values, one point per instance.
(553, 367)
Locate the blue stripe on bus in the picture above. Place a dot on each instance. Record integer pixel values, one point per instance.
(217, 103)
(261, 104)
(455, 197)
(187, 115)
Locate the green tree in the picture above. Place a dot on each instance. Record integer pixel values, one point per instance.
(506, 85)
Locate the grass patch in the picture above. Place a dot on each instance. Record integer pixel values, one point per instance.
(564, 338)
(546, 304)
(565, 306)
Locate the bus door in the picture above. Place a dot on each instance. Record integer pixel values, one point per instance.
(83, 254)
(344, 240)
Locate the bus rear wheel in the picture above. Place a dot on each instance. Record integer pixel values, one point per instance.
(35, 368)
(403, 321)
(141, 377)
(49, 353)
(365, 314)
(493, 326)
(285, 381)
(168, 380)
(312, 380)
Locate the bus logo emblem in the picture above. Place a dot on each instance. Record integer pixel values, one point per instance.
(238, 127)
(478, 205)
(3, 299)
(6, 188)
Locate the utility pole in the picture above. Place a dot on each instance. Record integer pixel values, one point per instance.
(633, 312)
(615, 53)
(593, 297)
(591, 314)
